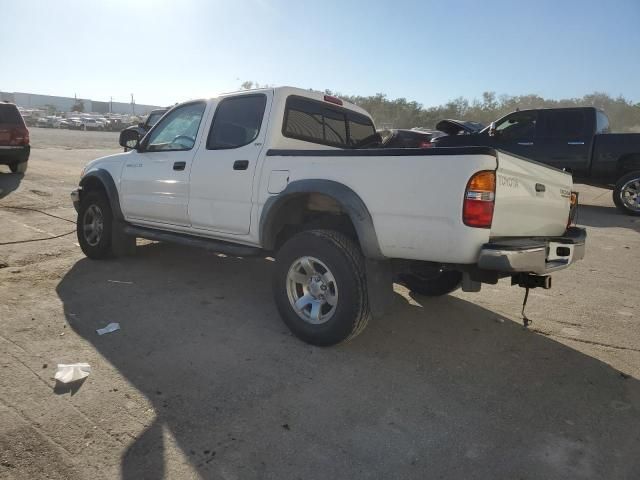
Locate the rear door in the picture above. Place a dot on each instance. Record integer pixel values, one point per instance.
(564, 139)
(223, 170)
(155, 181)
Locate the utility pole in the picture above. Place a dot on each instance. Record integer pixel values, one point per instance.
(110, 104)
(133, 105)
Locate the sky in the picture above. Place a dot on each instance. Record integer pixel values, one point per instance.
(428, 51)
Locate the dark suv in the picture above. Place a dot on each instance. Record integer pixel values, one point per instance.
(14, 139)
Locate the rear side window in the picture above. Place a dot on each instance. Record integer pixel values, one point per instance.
(317, 122)
(602, 122)
(10, 114)
(564, 124)
(237, 122)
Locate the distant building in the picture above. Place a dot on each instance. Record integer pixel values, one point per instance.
(65, 104)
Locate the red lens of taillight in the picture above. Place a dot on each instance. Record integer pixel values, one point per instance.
(332, 99)
(479, 200)
(19, 136)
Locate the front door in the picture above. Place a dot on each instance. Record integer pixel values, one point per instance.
(516, 133)
(155, 180)
(223, 169)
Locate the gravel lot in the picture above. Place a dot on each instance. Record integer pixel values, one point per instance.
(204, 380)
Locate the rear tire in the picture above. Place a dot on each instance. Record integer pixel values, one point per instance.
(94, 225)
(18, 167)
(320, 288)
(627, 190)
(442, 283)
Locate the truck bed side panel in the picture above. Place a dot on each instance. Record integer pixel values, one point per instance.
(415, 201)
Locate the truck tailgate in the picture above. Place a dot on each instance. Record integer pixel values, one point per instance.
(532, 199)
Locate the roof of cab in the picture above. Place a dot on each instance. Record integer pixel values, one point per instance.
(286, 91)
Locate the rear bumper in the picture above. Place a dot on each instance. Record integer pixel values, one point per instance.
(539, 255)
(10, 155)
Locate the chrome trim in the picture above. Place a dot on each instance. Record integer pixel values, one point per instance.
(575, 143)
(540, 260)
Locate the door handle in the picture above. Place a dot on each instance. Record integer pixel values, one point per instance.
(241, 164)
(179, 165)
(525, 144)
(575, 143)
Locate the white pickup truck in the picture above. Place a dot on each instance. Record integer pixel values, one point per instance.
(291, 173)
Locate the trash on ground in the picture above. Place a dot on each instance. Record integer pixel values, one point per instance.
(112, 327)
(120, 281)
(72, 372)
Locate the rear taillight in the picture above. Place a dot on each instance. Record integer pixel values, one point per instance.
(19, 136)
(479, 199)
(425, 145)
(573, 209)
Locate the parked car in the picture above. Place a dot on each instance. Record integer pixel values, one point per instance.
(458, 127)
(276, 172)
(88, 123)
(46, 122)
(14, 139)
(404, 138)
(575, 139)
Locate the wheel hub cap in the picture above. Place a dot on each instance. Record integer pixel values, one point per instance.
(312, 290)
(630, 194)
(93, 225)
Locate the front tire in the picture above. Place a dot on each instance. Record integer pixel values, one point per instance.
(320, 287)
(18, 167)
(94, 225)
(626, 194)
(436, 284)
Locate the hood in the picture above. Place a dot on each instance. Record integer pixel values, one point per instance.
(458, 127)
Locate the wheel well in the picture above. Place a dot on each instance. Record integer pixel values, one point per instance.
(92, 184)
(309, 211)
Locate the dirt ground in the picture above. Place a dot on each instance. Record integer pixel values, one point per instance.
(204, 381)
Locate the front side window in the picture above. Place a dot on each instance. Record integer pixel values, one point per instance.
(602, 122)
(520, 125)
(178, 130)
(237, 122)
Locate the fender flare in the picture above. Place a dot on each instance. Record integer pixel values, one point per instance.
(349, 200)
(106, 180)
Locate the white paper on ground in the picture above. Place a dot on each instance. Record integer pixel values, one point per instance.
(112, 327)
(72, 372)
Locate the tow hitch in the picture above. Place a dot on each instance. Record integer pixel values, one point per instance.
(528, 281)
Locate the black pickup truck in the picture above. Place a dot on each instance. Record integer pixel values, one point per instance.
(575, 139)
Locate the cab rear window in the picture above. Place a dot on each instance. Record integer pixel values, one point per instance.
(317, 122)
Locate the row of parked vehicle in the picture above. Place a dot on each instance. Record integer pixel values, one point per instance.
(80, 123)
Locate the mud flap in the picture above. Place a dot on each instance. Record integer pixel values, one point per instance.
(122, 244)
(379, 286)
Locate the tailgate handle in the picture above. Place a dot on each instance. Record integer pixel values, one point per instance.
(540, 187)
(575, 143)
(525, 144)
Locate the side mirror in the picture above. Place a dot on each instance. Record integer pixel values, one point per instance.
(492, 129)
(129, 139)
